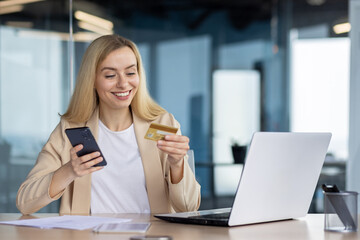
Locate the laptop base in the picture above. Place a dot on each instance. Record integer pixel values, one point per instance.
(198, 221)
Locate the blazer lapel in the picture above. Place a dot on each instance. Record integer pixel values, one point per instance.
(155, 183)
(82, 186)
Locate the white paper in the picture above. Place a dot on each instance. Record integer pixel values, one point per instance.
(122, 227)
(66, 222)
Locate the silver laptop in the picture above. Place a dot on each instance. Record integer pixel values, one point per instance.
(277, 182)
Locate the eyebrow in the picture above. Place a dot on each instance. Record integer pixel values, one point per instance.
(114, 69)
(133, 65)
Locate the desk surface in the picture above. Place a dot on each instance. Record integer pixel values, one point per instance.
(310, 227)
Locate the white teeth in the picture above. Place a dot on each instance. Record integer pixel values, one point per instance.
(124, 94)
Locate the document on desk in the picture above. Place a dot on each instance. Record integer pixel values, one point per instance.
(66, 222)
(122, 228)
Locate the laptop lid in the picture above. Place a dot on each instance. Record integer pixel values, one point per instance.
(280, 176)
(277, 182)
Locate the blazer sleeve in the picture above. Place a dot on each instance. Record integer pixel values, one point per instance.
(185, 195)
(33, 193)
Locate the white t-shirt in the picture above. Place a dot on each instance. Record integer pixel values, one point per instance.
(120, 186)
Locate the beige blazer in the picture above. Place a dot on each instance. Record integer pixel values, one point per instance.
(163, 196)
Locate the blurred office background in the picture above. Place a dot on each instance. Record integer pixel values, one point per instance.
(225, 69)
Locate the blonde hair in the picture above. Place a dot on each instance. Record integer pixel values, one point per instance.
(85, 100)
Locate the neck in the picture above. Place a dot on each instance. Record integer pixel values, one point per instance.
(116, 120)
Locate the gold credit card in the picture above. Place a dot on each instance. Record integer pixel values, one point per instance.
(157, 131)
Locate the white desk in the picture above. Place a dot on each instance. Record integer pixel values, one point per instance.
(310, 227)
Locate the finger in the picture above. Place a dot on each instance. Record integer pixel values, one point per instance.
(86, 168)
(94, 169)
(74, 150)
(91, 163)
(181, 145)
(89, 156)
(172, 150)
(91, 170)
(177, 138)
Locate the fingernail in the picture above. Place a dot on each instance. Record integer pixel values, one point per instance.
(160, 142)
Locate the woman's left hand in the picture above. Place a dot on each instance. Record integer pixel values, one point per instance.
(176, 146)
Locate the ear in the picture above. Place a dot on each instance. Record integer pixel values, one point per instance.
(96, 96)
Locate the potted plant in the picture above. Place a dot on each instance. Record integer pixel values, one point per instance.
(239, 152)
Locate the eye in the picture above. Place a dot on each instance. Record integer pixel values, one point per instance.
(130, 73)
(110, 76)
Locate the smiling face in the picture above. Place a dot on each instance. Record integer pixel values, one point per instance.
(117, 80)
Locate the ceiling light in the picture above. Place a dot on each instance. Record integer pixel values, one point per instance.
(315, 2)
(11, 9)
(19, 24)
(342, 28)
(33, 34)
(85, 36)
(9, 3)
(78, 37)
(94, 20)
(94, 28)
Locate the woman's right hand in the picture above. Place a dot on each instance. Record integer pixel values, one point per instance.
(83, 165)
(76, 167)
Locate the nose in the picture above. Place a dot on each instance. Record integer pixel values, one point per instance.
(121, 81)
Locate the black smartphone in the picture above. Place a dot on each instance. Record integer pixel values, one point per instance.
(339, 205)
(83, 135)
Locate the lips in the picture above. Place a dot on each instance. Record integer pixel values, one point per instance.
(122, 94)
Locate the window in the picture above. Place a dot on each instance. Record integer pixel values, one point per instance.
(320, 89)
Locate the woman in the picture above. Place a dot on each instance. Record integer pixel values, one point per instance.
(142, 176)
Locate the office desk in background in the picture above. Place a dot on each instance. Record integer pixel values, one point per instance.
(310, 227)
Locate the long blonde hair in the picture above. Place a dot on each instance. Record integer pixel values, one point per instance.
(85, 100)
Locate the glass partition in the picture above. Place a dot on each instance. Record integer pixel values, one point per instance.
(34, 87)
